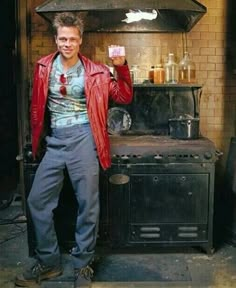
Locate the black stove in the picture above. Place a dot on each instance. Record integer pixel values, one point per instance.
(158, 192)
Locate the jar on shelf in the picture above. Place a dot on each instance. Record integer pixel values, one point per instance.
(135, 74)
(151, 74)
(171, 70)
(187, 69)
(159, 74)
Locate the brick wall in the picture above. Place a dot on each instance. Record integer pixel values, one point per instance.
(210, 42)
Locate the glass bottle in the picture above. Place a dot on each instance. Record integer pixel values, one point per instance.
(159, 74)
(151, 75)
(171, 70)
(135, 74)
(187, 69)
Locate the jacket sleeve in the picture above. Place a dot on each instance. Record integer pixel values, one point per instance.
(37, 108)
(34, 97)
(121, 89)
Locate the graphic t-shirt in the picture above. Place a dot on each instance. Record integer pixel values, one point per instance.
(66, 99)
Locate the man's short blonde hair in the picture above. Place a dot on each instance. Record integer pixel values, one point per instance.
(68, 19)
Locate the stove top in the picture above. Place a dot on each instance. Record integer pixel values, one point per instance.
(161, 148)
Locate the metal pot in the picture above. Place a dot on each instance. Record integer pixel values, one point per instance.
(181, 128)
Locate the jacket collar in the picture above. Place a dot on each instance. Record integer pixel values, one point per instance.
(89, 66)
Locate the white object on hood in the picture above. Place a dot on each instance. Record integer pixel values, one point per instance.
(134, 16)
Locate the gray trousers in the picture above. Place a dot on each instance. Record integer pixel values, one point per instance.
(72, 148)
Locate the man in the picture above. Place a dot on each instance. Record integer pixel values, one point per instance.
(75, 91)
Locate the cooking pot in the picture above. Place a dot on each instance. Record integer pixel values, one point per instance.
(184, 128)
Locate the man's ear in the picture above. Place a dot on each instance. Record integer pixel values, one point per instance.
(81, 40)
(55, 38)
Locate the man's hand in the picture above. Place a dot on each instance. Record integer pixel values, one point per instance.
(118, 60)
(117, 54)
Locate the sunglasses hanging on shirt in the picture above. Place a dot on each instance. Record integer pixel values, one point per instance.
(62, 88)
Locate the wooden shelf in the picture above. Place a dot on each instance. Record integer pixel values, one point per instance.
(182, 86)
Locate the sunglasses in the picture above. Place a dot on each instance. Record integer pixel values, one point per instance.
(62, 88)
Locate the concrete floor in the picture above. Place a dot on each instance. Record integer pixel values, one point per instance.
(217, 270)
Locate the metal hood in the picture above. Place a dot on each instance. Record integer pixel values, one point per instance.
(111, 16)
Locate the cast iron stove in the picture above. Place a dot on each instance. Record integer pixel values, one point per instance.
(159, 191)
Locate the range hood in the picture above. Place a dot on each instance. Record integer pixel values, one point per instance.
(113, 15)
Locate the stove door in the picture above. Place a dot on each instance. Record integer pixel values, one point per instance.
(168, 207)
(165, 198)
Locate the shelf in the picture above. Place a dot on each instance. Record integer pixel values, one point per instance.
(181, 86)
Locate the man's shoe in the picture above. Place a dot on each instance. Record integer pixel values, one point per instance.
(83, 277)
(36, 274)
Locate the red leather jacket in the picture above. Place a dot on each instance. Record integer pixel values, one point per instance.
(99, 86)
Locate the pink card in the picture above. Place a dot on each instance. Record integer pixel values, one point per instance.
(116, 51)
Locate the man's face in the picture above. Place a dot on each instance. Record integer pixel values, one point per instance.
(68, 41)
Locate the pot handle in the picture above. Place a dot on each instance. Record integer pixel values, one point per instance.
(189, 122)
